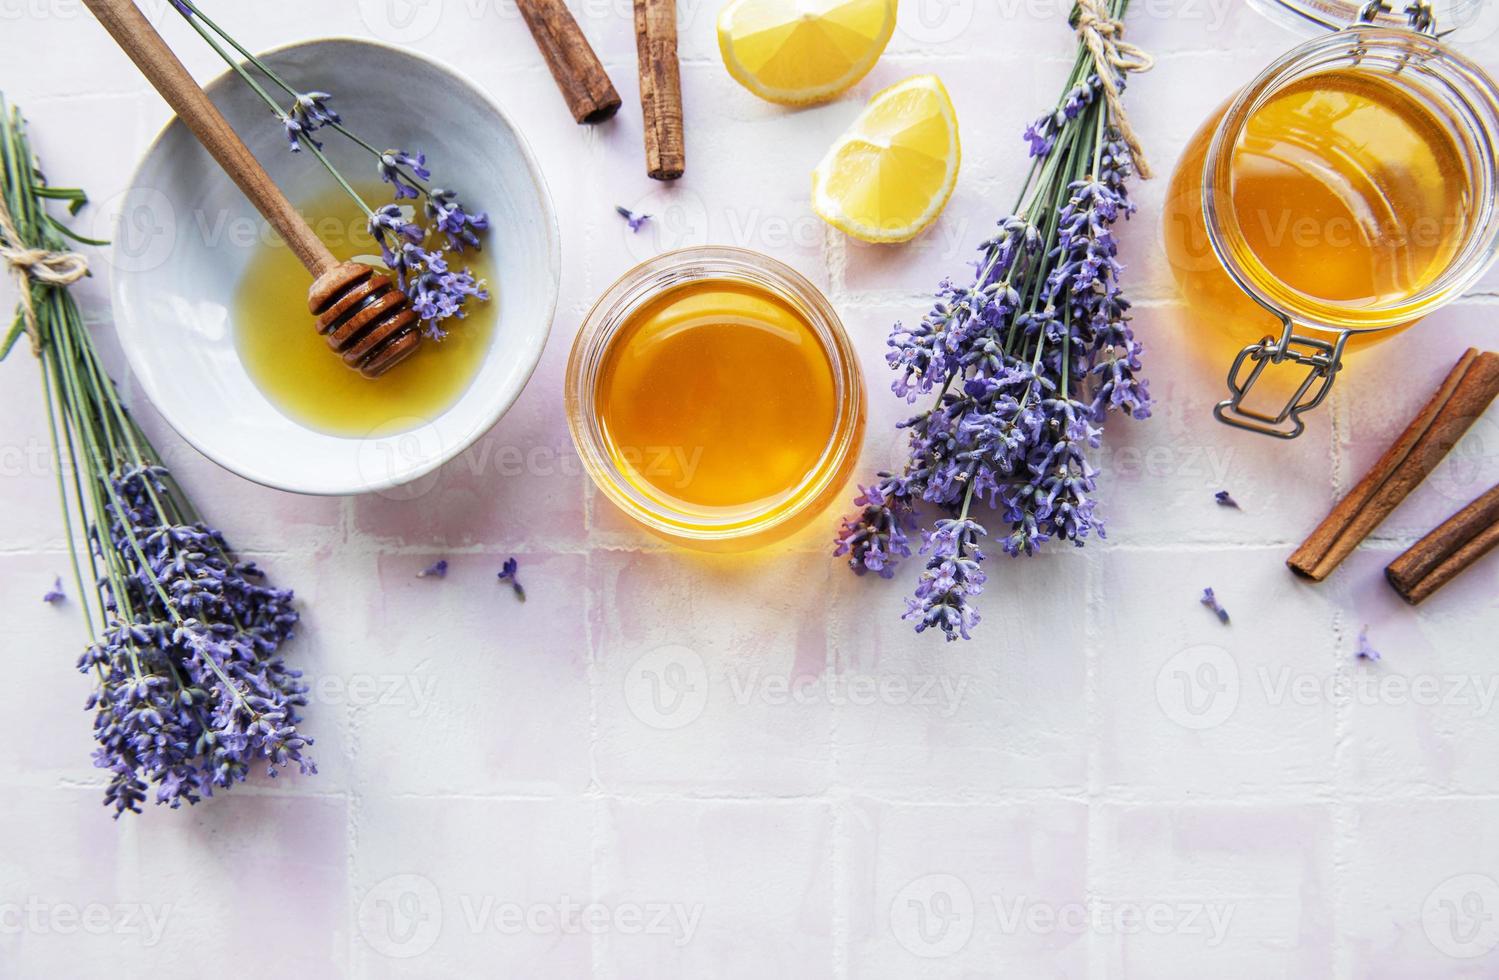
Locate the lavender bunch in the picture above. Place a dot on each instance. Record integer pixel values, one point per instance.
(191, 690)
(417, 255)
(1019, 369)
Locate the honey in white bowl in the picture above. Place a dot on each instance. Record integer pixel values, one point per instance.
(292, 364)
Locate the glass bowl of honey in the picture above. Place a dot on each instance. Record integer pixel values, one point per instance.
(714, 396)
(1344, 194)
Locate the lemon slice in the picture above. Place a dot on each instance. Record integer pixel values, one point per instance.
(890, 175)
(800, 51)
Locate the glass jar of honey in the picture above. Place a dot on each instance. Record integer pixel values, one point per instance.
(1342, 195)
(714, 397)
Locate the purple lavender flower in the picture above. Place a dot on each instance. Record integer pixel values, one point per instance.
(952, 575)
(877, 535)
(507, 574)
(296, 133)
(1021, 367)
(437, 293)
(391, 170)
(438, 569)
(635, 221)
(1211, 601)
(450, 218)
(311, 110)
(1364, 651)
(192, 691)
(55, 594)
(1226, 500)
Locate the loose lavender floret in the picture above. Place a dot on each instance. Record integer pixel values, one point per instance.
(55, 594)
(507, 574)
(438, 569)
(1211, 601)
(1226, 500)
(193, 691)
(634, 220)
(1364, 651)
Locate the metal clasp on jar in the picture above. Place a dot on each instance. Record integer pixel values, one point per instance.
(1418, 15)
(1322, 359)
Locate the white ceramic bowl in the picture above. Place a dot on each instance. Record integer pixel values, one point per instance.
(179, 252)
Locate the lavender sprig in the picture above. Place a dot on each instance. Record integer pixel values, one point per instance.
(437, 293)
(1019, 370)
(191, 690)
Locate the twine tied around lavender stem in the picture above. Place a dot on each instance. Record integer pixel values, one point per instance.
(1103, 35)
(27, 264)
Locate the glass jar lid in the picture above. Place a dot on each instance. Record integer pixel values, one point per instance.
(1460, 17)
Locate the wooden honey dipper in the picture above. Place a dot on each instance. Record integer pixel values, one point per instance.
(365, 318)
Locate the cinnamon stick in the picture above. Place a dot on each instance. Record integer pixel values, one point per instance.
(660, 87)
(1439, 557)
(579, 74)
(1462, 398)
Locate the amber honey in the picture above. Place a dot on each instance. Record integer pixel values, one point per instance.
(1347, 193)
(717, 398)
(292, 365)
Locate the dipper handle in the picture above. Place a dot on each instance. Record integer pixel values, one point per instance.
(135, 35)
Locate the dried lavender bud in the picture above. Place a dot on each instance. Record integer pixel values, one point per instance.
(450, 218)
(1225, 500)
(876, 536)
(1364, 651)
(390, 169)
(438, 569)
(297, 133)
(1211, 601)
(311, 110)
(631, 218)
(507, 574)
(55, 594)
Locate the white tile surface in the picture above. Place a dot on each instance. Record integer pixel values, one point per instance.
(666, 765)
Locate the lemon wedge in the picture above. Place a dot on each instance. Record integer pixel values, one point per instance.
(799, 51)
(890, 175)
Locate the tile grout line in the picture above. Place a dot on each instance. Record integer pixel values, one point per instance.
(1092, 631)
